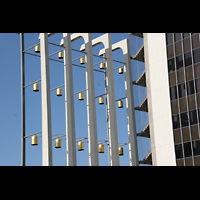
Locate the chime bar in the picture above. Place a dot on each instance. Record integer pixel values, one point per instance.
(100, 96)
(120, 99)
(32, 83)
(118, 67)
(59, 136)
(31, 47)
(80, 91)
(32, 134)
(77, 58)
(57, 87)
(56, 52)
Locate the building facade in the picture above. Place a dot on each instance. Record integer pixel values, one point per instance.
(172, 72)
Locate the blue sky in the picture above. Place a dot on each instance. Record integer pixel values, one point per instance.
(10, 101)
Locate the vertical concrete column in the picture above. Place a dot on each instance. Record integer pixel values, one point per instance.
(69, 102)
(91, 107)
(46, 102)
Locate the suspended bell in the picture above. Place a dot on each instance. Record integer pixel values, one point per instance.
(59, 91)
(101, 100)
(121, 151)
(120, 104)
(37, 49)
(121, 70)
(102, 66)
(80, 146)
(34, 140)
(58, 143)
(60, 55)
(81, 96)
(101, 148)
(35, 87)
(82, 60)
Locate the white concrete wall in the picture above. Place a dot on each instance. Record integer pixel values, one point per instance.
(160, 120)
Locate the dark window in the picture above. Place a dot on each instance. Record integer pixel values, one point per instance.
(179, 62)
(181, 90)
(187, 149)
(195, 41)
(179, 151)
(171, 65)
(177, 37)
(196, 147)
(173, 93)
(198, 85)
(188, 59)
(184, 119)
(190, 87)
(186, 45)
(196, 55)
(175, 121)
(169, 38)
(186, 35)
(193, 117)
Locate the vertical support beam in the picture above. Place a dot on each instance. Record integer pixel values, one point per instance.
(46, 102)
(133, 148)
(69, 102)
(91, 107)
(112, 131)
(22, 100)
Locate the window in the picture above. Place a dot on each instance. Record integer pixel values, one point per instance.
(177, 37)
(179, 151)
(179, 62)
(187, 149)
(173, 93)
(188, 59)
(198, 85)
(175, 121)
(186, 35)
(196, 55)
(171, 65)
(196, 147)
(190, 87)
(169, 38)
(193, 117)
(182, 90)
(184, 119)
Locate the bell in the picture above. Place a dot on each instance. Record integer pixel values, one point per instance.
(121, 151)
(58, 143)
(121, 70)
(59, 92)
(101, 148)
(81, 96)
(101, 100)
(35, 87)
(60, 55)
(120, 104)
(82, 60)
(34, 140)
(37, 49)
(80, 146)
(102, 66)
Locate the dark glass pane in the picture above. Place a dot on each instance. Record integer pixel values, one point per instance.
(188, 59)
(186, 35)
(196, 55)
(190, 87)
(177, 37)
(184, 119)
(179, 151)
(187, 149)
(179, 62)
(195, 41)
(173, 93)
(198, 85)
(169, 38)
(196, 147)
(175, 121)
(170, 51)
(171, 65)
(178, 48)
(182, 90)
(193, 117)
(186, 45)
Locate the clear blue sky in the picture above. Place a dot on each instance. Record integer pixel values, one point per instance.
(10, 101)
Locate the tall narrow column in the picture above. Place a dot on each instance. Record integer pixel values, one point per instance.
(91, 107)
(22, 100)
(69, 102)
(46, 102)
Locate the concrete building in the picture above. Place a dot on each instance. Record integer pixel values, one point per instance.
(172, 81)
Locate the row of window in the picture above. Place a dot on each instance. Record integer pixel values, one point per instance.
(178, 60)
(185, 117)
(177, 37)
(188, 146)
(182, 89)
